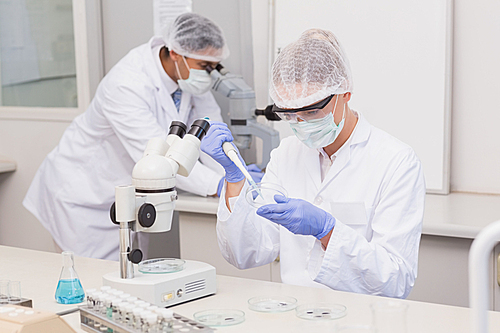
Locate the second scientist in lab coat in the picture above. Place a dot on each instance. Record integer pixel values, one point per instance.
(353, 216)
(154, 84)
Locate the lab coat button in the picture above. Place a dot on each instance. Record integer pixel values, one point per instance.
(318, 200)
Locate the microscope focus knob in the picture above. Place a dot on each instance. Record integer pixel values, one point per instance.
(135, 256)
(112, 214)
(146, 215)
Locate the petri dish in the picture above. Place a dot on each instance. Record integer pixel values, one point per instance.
(272, 303)
(222, 317)
(321, 311)
(263, 194)
(161, 265)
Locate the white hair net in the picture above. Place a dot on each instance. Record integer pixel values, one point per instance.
(195, 36)
(309, 70)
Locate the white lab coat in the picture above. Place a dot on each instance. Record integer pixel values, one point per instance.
(74, 187)
(375, 189)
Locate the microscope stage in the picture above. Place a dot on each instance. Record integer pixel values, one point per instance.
(196, 280)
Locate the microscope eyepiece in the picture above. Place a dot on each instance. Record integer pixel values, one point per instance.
(199, 128)
(178, 128)
(209, 69)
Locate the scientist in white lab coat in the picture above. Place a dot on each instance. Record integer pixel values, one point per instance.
(353, 217)
(154, 84)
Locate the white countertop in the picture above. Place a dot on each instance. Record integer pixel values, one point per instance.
(39, 273)
(461, 215)
(6, 164)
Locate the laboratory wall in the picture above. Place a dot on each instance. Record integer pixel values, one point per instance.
(475, 152)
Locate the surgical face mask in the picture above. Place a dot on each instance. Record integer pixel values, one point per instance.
(318, 133)
(198, 82)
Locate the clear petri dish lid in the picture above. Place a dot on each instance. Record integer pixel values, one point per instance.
(263, 194)
(222, 317)
(161, 265)
(272, 303)
(321, 311)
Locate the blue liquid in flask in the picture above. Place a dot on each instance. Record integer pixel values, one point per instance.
(69, 292)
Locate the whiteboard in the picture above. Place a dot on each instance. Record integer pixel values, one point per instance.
(400, 56)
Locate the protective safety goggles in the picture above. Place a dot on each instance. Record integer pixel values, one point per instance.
(307, 113)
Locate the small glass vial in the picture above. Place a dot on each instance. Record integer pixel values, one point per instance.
(136, 317)
(131, 299)
(90, 297)
(165, 320)
(105, 289)
(150, 324)
(139, 303)
(124, 296)
(144, 314)
(118, 293)
(152, 308)
(90, 305)
(122, 313)
(127, 314)
(103, 309)
(115, 305)
(97, 300)
(69, 289)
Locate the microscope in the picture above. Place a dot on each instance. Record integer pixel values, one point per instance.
(243, 112)
(147, 206)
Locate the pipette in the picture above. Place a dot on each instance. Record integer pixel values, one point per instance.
(233, 155)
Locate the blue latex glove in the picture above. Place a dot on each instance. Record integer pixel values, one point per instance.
(253, 170)
(212, 145)
(298, 216)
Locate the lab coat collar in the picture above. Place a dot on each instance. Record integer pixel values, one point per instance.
(151, 67)
(167, 81)
(360, 134)
(165, 85)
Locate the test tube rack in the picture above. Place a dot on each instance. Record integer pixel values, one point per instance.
(181, 324)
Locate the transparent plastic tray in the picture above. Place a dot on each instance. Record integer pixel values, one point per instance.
(272, 303)
(321, 311)
(222, 317)
(161, 265)
(263, 194)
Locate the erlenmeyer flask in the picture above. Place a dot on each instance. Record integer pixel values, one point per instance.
(69, 289)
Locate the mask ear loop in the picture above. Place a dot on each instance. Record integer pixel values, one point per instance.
(186, 63)
(335, 106)
(177, 68)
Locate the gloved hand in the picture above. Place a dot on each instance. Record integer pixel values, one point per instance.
(212, 145)
(253, 170)
(298, 216)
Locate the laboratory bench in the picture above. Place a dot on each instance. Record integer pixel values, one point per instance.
(39, 274)
(7, 165)
(451, 222)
